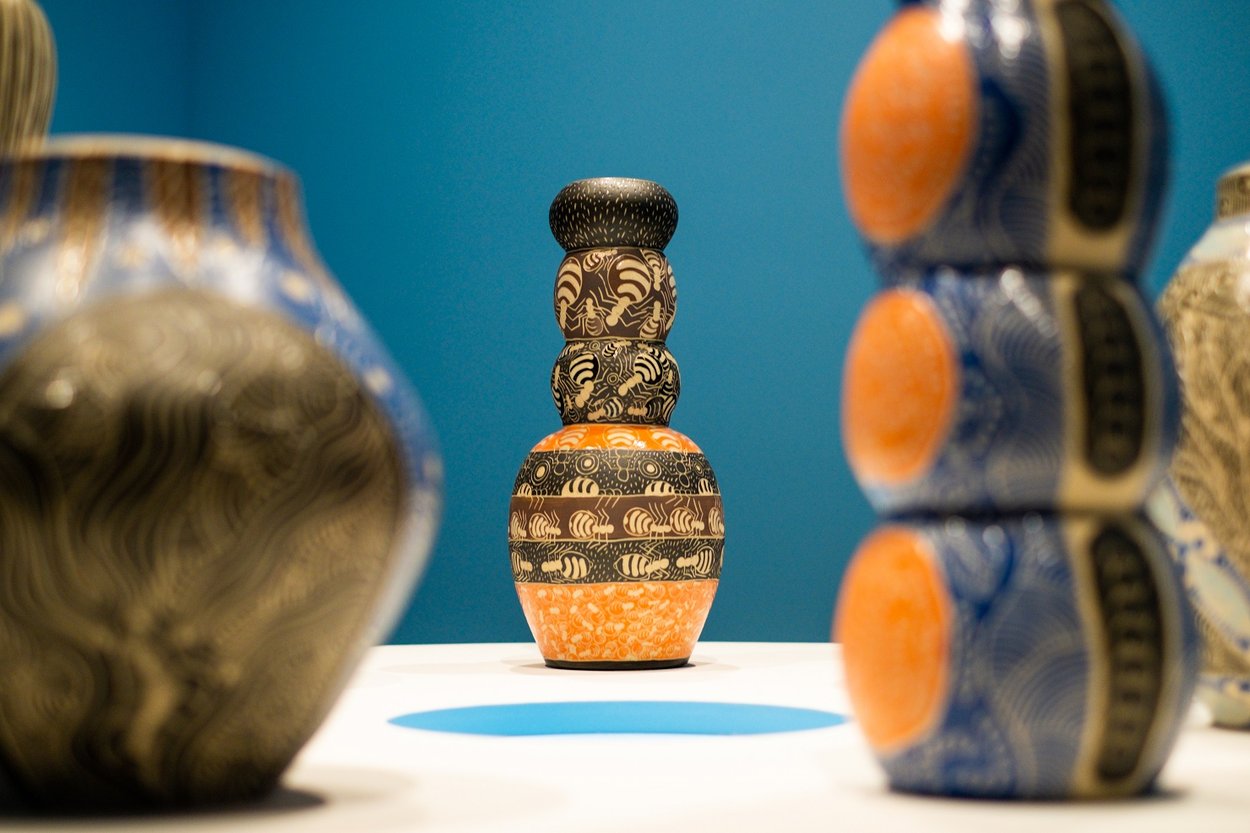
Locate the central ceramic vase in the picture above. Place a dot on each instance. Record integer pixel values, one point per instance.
(216, 490)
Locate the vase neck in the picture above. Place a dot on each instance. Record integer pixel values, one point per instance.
(80, 191)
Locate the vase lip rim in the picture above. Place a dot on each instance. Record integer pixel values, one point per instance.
(138, 146)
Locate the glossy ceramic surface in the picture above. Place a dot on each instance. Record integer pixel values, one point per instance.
(1015, 630)
(1008, 390)
(987, 132)
(27, 74)
(1028, 656)
(1206, 308)
(616, 527)
(217, 489)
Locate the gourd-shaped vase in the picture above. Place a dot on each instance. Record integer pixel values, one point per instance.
(1015, 628)
(616, 528)
(1206, 309)
(216, 490)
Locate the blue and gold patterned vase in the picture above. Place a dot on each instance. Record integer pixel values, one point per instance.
(216, 489)
(1206, 309)
(1015, 628)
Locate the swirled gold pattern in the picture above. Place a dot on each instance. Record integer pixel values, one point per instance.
(21, 187)
(244, 198)
(198, 507)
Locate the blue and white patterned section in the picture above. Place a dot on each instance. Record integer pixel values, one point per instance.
(1015, 442)
(1019, 665)
(1008, 207)
(998, 211)
(1040, 661)
(132, 247)
(1005, 448)
(1221, 597)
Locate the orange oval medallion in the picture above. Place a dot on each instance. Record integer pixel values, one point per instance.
(894, 624)
(899, 389)
(908, 125)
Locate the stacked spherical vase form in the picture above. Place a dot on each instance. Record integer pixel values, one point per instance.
(1203, 506)
(1014, 628)
(616, 530)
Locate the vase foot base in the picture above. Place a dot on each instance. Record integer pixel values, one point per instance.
(616, 665)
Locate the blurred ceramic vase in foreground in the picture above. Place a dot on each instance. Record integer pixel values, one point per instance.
(1206, 309)
(1015, 628)
(1032, 655)
(216, 490)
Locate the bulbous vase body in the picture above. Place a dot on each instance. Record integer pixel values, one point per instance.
(216, 490)
(1206, 309)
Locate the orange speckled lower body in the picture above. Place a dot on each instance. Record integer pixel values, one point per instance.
(617, 622)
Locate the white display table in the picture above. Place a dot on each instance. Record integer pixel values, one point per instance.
(360, 773)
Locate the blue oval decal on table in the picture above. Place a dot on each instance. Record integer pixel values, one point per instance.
(632, 717)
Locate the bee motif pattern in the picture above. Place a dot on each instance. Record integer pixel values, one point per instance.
(585, 524)
(703, 562)
(641, 522)
(597, 562)
(543, 526)
(636, 565)
(615, 381)
(571, 567)
(520, 567)
(615, 293)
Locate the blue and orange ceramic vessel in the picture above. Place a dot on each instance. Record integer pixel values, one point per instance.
(216, 489)
(980, 133)
(1015, 629)
(1032, 655)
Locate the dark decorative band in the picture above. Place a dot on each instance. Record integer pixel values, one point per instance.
(618, 381)
(622, 293)
(607, 471)
(613, 211)
(595, 562)
(1133, 621)
(1100, 111)
(1112, 380)
(608, 518)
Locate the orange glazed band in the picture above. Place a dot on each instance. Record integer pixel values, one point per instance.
(642, 437)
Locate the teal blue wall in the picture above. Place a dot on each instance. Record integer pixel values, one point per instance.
(431, 138)
(124, 65)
